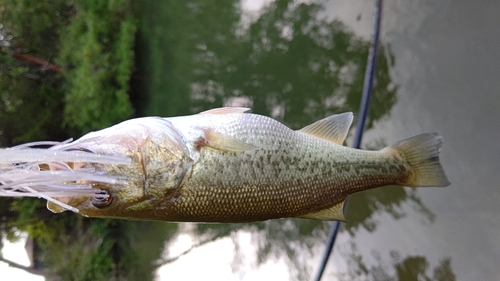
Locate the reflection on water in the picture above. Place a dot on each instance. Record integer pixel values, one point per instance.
(393, 202)
(288, 239)
(287, 62)
(397, 268)
(291, 65)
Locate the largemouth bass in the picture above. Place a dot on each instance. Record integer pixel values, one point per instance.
(226, 165)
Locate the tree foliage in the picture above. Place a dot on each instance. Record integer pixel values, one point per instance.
(93, 42)
(30, 94)
(97, 58)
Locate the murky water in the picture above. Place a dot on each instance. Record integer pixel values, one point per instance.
(438, 72)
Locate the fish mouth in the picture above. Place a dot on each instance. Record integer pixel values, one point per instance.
(64, 177)
(99, 194)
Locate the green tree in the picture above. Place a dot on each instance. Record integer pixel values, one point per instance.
(29, 87)
(97, 61)
(30, 98)
(34, 34)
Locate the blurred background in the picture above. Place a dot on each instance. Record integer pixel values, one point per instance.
(70, 67)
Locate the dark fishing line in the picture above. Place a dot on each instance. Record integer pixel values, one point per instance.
(360, 124)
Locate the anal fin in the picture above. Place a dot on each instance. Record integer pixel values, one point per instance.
(336, 212)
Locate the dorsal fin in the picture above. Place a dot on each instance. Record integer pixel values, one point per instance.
(226, 110)
(336, 212)
(332, 128)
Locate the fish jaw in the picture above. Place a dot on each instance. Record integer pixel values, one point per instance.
(160, 161)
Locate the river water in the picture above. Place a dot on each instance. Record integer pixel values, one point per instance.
(438, 72)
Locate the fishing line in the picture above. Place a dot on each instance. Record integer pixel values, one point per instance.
(360, 125)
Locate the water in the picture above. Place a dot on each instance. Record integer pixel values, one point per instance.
(447, 76)
(438, 72)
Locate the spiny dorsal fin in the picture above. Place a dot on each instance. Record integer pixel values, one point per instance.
(222, 142)
(226, 110)
(336, 212)
(332, 128)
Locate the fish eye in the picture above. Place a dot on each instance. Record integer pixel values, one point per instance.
(102, 199)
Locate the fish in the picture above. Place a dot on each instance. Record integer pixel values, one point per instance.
(223, 165)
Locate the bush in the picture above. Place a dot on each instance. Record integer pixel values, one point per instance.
(97, 59)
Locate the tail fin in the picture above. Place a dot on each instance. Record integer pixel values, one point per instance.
(422, 154)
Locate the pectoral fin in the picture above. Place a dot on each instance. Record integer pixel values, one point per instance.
(333, 128)
(223, 142)
(54, 208)
(336, 212)
(226, 110)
